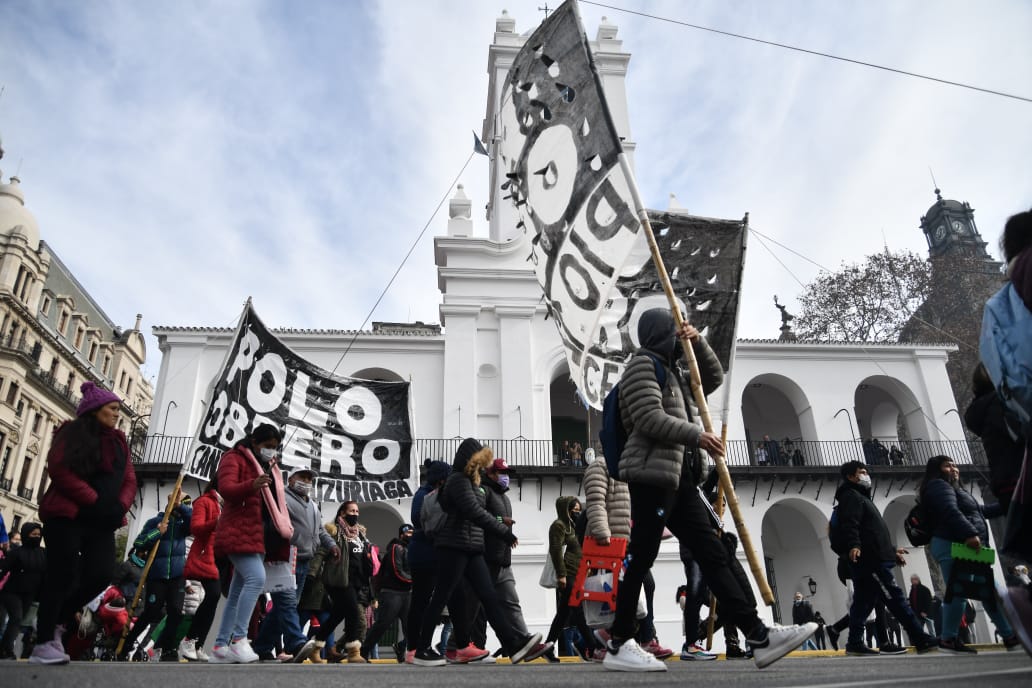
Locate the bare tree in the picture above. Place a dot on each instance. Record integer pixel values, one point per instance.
(870, 301)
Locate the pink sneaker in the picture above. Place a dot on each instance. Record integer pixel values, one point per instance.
(50, 652)
(410, 656)
(470, 653)
(656, 650)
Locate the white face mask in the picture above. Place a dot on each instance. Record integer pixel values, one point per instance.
(268, 454)
(865, 481)
(303, 489)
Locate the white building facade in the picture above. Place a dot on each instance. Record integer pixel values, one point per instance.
(495, 370)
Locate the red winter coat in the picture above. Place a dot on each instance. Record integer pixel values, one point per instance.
(68, 492)
(200, 562)
(239, 530)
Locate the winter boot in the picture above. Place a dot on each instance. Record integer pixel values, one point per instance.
(354, 649)
(316, 656)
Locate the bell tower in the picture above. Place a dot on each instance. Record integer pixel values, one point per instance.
(949, 228)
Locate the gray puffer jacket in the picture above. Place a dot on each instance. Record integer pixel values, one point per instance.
(608, 507)
(659, 421)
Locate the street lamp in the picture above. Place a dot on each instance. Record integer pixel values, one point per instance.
(170, 404)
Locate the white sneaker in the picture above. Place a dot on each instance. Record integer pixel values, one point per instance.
(222, 654)
(202, 656)
(780, 641)
(242, 652)
(630, 657)
(188, 650)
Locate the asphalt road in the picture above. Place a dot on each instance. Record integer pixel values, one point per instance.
(986, 670)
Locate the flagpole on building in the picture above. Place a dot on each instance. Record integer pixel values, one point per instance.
(173, 497)
(696, 384)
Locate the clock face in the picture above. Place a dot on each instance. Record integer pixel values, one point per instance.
(940, 232)
(958, 226)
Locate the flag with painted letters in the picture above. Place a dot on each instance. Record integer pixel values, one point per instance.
(560, 151)
(355, 434)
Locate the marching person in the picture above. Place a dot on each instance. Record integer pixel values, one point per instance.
(23, 568)
(200, 567)
(957, 517)
(92, 486)
(659, 463)
(250, 484)
(422, 557)
(565, 551)
(393, 592)
(460, 550)
(920, 598)
(871, 557)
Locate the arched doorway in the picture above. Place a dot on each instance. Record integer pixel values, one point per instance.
(888, 415)
(775, 407)
(572, 420)
(795, 546)
(377, 374)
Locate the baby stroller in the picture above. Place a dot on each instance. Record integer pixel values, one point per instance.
(101, 623)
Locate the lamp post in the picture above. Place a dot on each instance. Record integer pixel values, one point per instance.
(169, 405)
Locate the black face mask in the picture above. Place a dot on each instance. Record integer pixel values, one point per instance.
(32, 542)
(351, 519)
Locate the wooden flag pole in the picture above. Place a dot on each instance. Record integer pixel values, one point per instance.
(696, 384)
(150, 560)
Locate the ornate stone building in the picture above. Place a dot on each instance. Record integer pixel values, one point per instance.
(964, 276)
(53, 337)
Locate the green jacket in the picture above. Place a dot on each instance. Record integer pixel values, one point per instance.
(561, 533)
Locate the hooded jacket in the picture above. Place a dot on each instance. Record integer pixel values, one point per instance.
(421, 549)
(171, 556)
(465, 503)
(309, 533)
(986, 417)
(26, 565)
(200, 560)
(561, 534)
(394, 569)
(496, 550)
(659, 426)
(608, 503)
(862, 524)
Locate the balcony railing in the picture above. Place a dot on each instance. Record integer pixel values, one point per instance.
(5, 484)
(25, 493)
(165, 449)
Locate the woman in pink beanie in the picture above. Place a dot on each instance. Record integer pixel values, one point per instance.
(92, 485)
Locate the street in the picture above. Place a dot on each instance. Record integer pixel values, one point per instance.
(987, 670)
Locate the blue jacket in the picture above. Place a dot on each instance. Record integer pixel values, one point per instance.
(171, 557)
(956, 515)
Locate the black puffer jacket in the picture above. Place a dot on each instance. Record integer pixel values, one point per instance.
(862, 524)
(497, 549)
(27, 564)
(465, 503)
(956, 515)
(986, 418)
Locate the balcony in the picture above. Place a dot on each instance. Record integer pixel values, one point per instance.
(5, 485)
(542, 455)
(25, 493)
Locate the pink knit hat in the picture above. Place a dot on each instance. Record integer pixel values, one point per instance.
(93, 398)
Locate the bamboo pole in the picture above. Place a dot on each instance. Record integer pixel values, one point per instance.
(697, 393)
(150, 560)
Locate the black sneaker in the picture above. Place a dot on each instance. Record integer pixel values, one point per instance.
(929, 643)
(891, 649)
(832, 636)
(169, 655)
(428, 658)
(861, 650)
(955, 647)
(267, 657)
(399, 652)
(733, 652)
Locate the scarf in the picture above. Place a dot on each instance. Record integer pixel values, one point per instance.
(350, 532)
(273, 497)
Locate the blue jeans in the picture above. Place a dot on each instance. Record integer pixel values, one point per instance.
(283, 620)
(953, 611)
(871, 581)
(244, 589)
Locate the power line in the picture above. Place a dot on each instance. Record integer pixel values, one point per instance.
(810, 52)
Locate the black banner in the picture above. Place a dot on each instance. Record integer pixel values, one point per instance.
(355, 434)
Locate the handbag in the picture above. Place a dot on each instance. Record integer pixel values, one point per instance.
(599, 614)
(548, 578)
(279, 575)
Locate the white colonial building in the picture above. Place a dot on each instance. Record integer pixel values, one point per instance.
(495, 369)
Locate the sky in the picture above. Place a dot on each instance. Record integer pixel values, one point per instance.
(180, 157)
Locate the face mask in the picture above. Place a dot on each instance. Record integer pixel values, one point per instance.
(503, 480)
(31, 542)
(268, 454)
(351, 519)
(303, 489)
(865, 481)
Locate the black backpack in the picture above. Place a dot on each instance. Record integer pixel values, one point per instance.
(918, 526)
(612, 436)
(836, 538)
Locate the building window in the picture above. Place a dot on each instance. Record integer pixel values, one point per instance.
(71, 382)
(26, 471)
(12, 393)
(36, 422)
(94, 348)
(78, 337)
(107, 365)
(121, 381)
(129, 387)
(44, 307)
(54, 362)
(62, 323)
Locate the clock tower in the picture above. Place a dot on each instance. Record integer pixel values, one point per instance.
(949, 228)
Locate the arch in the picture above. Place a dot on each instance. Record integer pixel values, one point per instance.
(887, 413)
(569, 419)
(377, 374)
(381, 519)
(795, 546)
(776, 406)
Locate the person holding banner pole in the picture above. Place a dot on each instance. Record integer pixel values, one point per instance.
(244, 473)
(92, 486)
(659, 464)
